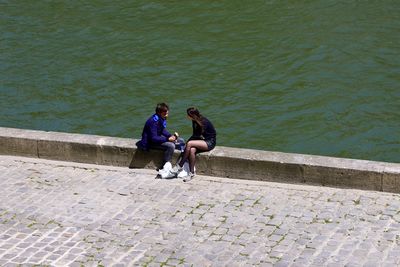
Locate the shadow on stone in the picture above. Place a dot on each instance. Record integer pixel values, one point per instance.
(146, 159)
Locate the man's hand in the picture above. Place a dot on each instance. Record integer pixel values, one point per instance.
(172, 138)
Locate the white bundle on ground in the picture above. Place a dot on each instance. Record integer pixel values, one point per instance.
(165, 172)
(185, 170)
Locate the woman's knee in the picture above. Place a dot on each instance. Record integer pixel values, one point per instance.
(189, 144)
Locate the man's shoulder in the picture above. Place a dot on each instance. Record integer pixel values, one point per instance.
(153, 119)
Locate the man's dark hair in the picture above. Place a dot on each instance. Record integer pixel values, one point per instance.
(161, 107)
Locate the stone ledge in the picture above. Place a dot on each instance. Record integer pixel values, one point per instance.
(222, 161)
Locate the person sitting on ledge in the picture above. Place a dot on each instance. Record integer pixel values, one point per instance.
(155, 134)
(203, 139)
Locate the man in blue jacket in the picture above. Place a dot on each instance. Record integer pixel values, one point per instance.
(155, 134)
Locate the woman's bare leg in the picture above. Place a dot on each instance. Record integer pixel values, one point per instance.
(192, 159)
(190, 152)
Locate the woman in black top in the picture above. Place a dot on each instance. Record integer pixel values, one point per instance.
(203, 139)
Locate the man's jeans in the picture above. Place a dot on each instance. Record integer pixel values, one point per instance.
(169, 148)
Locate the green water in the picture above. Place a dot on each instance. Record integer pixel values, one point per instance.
(313, 77)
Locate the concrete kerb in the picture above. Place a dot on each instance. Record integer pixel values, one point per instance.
(222, 161)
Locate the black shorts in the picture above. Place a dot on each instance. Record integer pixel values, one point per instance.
(211, 143)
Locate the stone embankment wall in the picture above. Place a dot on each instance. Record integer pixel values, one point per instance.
(222, 161)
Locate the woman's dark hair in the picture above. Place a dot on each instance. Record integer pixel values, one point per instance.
(161, 107)
(194, 113)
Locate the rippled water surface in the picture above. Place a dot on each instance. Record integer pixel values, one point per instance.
(313, 77)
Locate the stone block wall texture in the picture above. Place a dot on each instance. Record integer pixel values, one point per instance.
(222, 161)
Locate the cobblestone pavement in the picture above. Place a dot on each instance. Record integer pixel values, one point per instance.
(68, 214)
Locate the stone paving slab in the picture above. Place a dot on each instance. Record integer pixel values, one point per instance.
(55, 213)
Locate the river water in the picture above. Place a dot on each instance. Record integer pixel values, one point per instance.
(313, 77)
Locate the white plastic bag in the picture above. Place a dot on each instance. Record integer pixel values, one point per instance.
(185, 170)
(165, 172)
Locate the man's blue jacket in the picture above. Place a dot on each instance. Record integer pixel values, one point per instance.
(154, 132)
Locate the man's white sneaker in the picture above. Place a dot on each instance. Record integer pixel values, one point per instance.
(188, 177)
